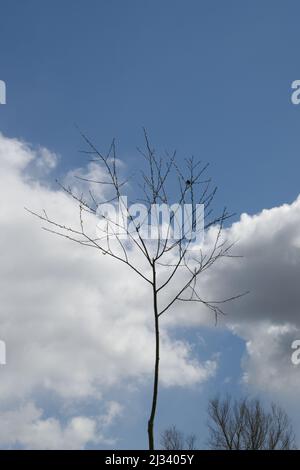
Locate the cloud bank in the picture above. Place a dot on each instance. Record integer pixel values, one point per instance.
(78, 324)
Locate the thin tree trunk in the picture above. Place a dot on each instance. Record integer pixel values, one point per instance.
(156, 368)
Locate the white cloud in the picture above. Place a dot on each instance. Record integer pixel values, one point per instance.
(268, 364)
(25, 426)
(268, 318)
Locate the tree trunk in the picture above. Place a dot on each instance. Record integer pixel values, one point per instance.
(156, 368)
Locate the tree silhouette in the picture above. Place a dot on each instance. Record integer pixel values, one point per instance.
(173, 439)
(245, 425)
(172, 266)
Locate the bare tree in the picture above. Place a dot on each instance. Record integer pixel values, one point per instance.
(245, 425)
(173, 439)
(171, 268)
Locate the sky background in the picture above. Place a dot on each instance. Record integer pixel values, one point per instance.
(207, 78)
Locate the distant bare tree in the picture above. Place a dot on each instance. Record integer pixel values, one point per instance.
(245, 425)
(161, 183)
(173, 439)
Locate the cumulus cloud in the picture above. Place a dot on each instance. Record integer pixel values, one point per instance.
(268, 362)
(267, 318)
(26, 427)
(75, 323)
(270, 245)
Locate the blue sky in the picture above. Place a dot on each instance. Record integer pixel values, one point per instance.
(208, 78)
